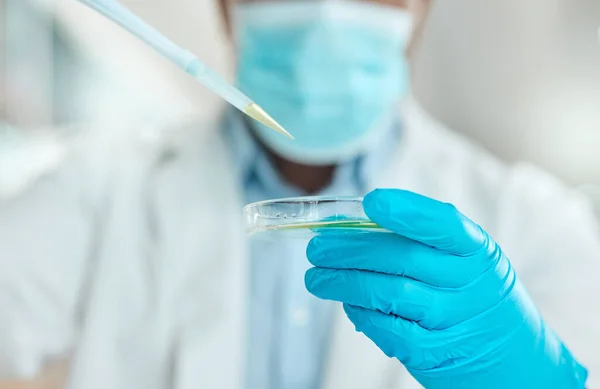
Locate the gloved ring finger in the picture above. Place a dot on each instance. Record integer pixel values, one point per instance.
(400, 296)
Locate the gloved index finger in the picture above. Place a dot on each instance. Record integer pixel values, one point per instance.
(424, 220)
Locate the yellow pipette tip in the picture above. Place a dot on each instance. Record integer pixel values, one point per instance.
(256, 112)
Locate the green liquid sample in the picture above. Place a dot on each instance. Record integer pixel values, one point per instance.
(363, 224)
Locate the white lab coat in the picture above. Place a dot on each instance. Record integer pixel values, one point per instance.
(133, 261)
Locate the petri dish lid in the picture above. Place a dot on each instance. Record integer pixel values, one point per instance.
(307, 213)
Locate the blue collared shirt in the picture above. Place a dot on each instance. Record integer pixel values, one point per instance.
(288, 327)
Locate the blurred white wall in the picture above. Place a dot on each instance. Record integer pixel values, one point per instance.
(521, 76)
(26, 67)
(193, 24)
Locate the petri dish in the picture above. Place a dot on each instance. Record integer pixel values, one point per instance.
(306, 216)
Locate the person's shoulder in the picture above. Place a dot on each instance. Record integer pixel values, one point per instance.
(459, 167)
(442, 146)
(457, 155)
(24, 157)
(90, 159)
(480, 181)
(140, 151)
(531, 190)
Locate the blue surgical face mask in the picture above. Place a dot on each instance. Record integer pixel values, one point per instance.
(329, 71)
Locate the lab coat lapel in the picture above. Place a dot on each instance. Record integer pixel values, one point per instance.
(203, 268)
(123, 340)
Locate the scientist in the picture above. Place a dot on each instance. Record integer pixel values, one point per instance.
(130, 263)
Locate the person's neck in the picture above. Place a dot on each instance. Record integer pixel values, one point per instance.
(310, 179)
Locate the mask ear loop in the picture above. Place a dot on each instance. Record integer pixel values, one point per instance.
(225, 12)
(420, 10)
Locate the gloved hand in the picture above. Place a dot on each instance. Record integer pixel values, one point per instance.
(438, 294)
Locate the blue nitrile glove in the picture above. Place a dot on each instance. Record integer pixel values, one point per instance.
(439, 295)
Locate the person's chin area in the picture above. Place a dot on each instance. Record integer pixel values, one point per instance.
(309, 178)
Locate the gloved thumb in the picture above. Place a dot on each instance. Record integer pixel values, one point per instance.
(424, 220)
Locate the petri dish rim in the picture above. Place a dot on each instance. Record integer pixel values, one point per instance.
(301, 199)
(306, 212)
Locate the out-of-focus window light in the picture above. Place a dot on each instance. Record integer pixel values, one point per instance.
(593, 191)
(28, 64)
(43, 70)
(35, 96)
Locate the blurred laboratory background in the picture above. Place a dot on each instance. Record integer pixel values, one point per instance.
(523, 78)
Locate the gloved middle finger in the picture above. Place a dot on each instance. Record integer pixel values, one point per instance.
(394, 254)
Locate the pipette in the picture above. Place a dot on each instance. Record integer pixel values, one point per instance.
(119, 14)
